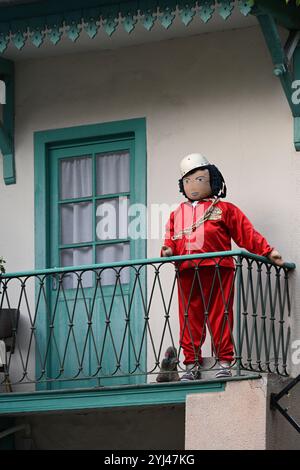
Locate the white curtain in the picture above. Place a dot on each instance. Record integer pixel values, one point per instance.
(112, 218)
(76, 177)
(110, 253)
(76, 218)
(113, 173)
(113, 176)
(76, 223)
(77, 257)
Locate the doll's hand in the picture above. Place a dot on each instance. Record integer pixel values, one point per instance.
(166, 251)
(276, 257)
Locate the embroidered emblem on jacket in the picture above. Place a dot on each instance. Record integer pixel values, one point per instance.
(216, 214)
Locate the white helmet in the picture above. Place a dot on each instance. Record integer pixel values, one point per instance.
(192, 161)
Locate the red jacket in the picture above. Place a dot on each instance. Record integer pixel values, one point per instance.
(226, 222)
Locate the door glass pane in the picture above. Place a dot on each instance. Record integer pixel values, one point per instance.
(112, 218)
(76, 177)
(113, 172)
(111, 254)
(77, 257)
(76, 223)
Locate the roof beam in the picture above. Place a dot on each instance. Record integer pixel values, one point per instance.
(286, 62)
(296, 96)
(279, 57)
(287, 15)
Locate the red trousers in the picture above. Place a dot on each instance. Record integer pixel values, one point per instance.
(205, 298)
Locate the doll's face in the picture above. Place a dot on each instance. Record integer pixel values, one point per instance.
(197, 185)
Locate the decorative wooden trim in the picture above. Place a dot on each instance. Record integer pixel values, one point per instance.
(7, 125)
(53, 21)
(283, 57)
(108, 397)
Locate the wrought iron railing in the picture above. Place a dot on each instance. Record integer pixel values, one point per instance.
(111, 324)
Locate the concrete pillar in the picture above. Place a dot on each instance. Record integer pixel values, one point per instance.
(240, 418)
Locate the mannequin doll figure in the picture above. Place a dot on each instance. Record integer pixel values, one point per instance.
(204, 224)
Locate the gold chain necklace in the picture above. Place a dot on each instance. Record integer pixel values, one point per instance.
(197, 223)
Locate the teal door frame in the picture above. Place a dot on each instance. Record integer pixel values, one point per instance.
(79, 135)
(44, 139)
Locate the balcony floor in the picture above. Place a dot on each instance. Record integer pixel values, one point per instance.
(109, 397)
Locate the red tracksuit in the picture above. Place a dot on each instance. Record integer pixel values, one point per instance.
(205, 295)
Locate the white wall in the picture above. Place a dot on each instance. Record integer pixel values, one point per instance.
(247, 421)
(213, 93)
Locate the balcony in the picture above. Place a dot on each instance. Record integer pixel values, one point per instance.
(96, 335)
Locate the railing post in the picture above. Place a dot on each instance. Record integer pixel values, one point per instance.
(238, 314)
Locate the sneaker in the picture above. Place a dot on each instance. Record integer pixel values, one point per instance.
(168, 369)
(193, 373)
(224, 370)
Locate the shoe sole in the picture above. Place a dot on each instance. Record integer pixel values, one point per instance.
(190, 380)
(221, 374)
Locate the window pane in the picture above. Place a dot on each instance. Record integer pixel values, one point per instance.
(76, 177)
(112, 218)
(77, 257)
(113, 172)
(111, 254)
(76, 223)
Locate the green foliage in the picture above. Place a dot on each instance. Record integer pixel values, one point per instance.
(2, 268)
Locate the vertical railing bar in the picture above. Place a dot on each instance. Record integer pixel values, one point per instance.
(147, 328)
(244, 330)
(137, 355)
(239, 265)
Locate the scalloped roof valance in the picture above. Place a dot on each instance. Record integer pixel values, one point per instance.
(50, 21)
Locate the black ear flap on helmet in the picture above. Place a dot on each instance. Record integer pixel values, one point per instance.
(218, 186)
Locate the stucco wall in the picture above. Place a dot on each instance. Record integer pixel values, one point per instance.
(132, 428)
(240, 417)
(213, 93)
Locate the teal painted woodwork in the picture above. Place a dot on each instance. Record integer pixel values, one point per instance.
(273, 41)
(52, 20)
(7, 124)
(297, 97)
(50, 148)
(108, 397)
(226, 8)
(282, 68)
(20, 23)
(287, 15)
(81, 350)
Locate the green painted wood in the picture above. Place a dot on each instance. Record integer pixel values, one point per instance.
(6, 144)
(7, 126)
(73, 142)
(73, 135)
(286, 15)
(281, 70)
(80, 330)
(297, 133)
(49, 18)
(108, 397)
(290, 80)
(297, 97)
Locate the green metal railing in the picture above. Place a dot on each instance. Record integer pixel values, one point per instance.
(110, 324)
